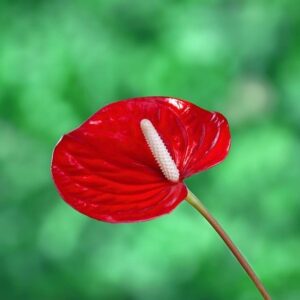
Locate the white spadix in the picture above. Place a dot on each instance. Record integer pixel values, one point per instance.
(159, 151)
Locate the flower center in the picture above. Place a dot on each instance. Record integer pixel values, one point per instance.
(159, 151)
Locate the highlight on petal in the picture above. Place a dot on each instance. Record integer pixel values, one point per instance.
(106, 170)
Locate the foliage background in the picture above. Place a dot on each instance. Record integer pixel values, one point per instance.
(60, 61)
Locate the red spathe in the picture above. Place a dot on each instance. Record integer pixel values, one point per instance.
(105, 169)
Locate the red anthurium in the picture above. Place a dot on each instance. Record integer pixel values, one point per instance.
(105, 168)
(127, 162)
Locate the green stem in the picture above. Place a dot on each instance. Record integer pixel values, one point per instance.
(196, 203)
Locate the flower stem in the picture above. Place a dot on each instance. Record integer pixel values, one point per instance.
(197, 204)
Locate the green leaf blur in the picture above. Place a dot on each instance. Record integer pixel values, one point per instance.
(60, 61)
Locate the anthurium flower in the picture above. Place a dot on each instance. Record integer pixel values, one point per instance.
(128, 162)
(107, 170)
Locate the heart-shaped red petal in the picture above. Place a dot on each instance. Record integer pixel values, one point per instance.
(106, 170)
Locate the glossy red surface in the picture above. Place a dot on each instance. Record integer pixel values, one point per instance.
(105, 169)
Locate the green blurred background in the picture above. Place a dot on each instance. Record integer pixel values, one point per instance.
(60, 61)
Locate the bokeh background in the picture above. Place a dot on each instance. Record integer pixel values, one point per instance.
(60, 61)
